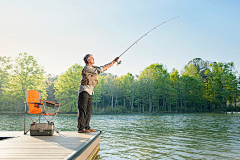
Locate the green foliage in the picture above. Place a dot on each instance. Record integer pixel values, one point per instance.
(108, 109)
(5, 66)
(127, 87)
(123, 109)
(26, 74)
(50, 81)
(117, 110)
(233, 108)
(66, 88)
(202, 86)
(155, 86)
(98, 90)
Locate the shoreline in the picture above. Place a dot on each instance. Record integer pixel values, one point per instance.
(134, 113)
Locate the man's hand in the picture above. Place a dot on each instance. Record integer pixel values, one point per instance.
(116, 59)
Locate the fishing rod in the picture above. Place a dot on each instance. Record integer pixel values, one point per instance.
(143, 36)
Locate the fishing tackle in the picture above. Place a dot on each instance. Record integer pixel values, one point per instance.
(143, 36)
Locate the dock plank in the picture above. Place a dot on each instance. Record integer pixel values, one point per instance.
(58, 146)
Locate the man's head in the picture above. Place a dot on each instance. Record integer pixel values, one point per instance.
(88, 59)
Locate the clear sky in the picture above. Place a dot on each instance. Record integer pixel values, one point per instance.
(58, 33)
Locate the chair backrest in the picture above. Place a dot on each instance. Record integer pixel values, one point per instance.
(33, 96)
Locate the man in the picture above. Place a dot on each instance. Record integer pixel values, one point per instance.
(86, 90)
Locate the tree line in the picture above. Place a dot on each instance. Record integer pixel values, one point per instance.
(202, 86)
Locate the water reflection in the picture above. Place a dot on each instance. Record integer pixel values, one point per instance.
(174, 136)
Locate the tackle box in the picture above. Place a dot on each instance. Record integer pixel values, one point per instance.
(42, 129)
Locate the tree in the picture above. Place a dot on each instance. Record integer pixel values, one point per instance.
(193, 87)
(175, 96)
(116, 91)
(200, 66)
(50, 81)
(109, 87)
(223, 84)
(127, 89)
(98, 91)
(157, 84)
(66, 88)
(27, 74)
(5, 66)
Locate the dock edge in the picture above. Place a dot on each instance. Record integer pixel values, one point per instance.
(79, 151)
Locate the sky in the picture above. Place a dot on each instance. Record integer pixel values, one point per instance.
(59, 33)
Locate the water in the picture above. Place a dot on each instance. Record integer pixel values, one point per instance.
(166, 136)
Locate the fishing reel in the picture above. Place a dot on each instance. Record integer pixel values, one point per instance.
(119, 62)
(116, 60)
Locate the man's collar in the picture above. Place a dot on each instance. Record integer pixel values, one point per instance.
(88, 65)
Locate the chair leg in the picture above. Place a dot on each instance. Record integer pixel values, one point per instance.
(25, 132)
(56, 129)
(25, 122)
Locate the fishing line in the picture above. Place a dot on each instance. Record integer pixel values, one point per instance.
(144, 36)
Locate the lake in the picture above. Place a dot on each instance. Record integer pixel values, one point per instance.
(164, 136)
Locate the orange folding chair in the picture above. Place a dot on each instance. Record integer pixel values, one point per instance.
(35, 106)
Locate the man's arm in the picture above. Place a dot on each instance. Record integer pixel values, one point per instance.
(110, 64)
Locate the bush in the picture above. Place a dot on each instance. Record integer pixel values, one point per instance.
(233, 109)
(117, 110)
(122, 109)
(108, 109)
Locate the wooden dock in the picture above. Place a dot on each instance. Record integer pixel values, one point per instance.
(62, 145)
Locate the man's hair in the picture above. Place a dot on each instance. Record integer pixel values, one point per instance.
(86, 58)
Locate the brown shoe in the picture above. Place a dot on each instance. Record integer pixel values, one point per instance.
(92, 130)
(83, 131)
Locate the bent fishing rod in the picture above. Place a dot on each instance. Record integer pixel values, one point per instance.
(144, 36)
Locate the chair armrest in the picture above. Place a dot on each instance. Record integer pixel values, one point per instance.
(54, 103)
(58, 104)
(34, 103)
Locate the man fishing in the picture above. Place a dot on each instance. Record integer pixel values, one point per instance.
(86, 90)
(89, 81)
